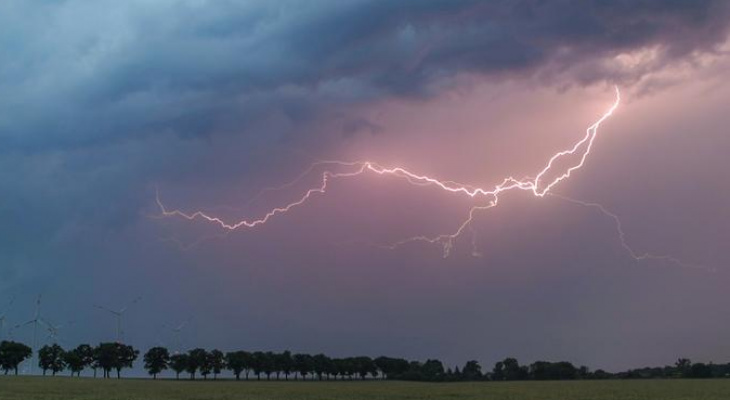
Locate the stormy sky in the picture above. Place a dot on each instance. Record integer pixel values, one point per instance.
(103, 104)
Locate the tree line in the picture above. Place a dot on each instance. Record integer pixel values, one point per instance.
(114, 357)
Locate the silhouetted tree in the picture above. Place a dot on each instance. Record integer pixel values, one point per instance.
(364, 366)
(197, 358)
(268, 365)
(12, 354)
(509, 370)
(125, 358)
(303, 364)
(51, 357)
(600, 374)
(433, 370)
(391, 368)
(348, 367)
(472, 371)
(319, 365)
(285, 364)
(454, 375)
(179, 364)
(258, 363)
(238, 361)
(684, 366)
(205, 366)
(700, 370)
(96, 357)
(115, 356)
(156, 360)
(335, 368)
(217, 362)
(74, 361)
(544, 370)
(86, 353)
(106, 356)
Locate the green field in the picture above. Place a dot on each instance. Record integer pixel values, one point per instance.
(32, 388)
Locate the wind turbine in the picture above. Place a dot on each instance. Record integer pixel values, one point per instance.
(177, 332)
(118, 315)
(3, 314)
(35, 321)
(53, 330)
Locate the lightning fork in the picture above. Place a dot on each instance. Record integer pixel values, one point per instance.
(540, 186)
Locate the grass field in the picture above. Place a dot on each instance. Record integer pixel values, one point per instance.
(32, 388)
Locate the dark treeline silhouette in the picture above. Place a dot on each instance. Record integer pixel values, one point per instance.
(196, 363)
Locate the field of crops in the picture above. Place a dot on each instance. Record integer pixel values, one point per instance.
(32, 388)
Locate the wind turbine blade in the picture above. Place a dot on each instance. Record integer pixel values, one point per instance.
(131, 303)
(24, 324)
(106, 309)
(46, 323)
(10, 304)
(69, 323)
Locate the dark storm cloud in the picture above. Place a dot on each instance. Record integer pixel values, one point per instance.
(78, 74)
(113, 94)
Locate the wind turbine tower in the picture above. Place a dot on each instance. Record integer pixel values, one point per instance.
(35, 321)
(177, 331)
(3, 315)
(118, 314)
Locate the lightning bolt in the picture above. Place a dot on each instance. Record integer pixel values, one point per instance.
(539, 186)
(637, 256)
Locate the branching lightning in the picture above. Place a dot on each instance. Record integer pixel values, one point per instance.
(638, 256)
(539, 186)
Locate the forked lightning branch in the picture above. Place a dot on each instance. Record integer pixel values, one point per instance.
(541, 185)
